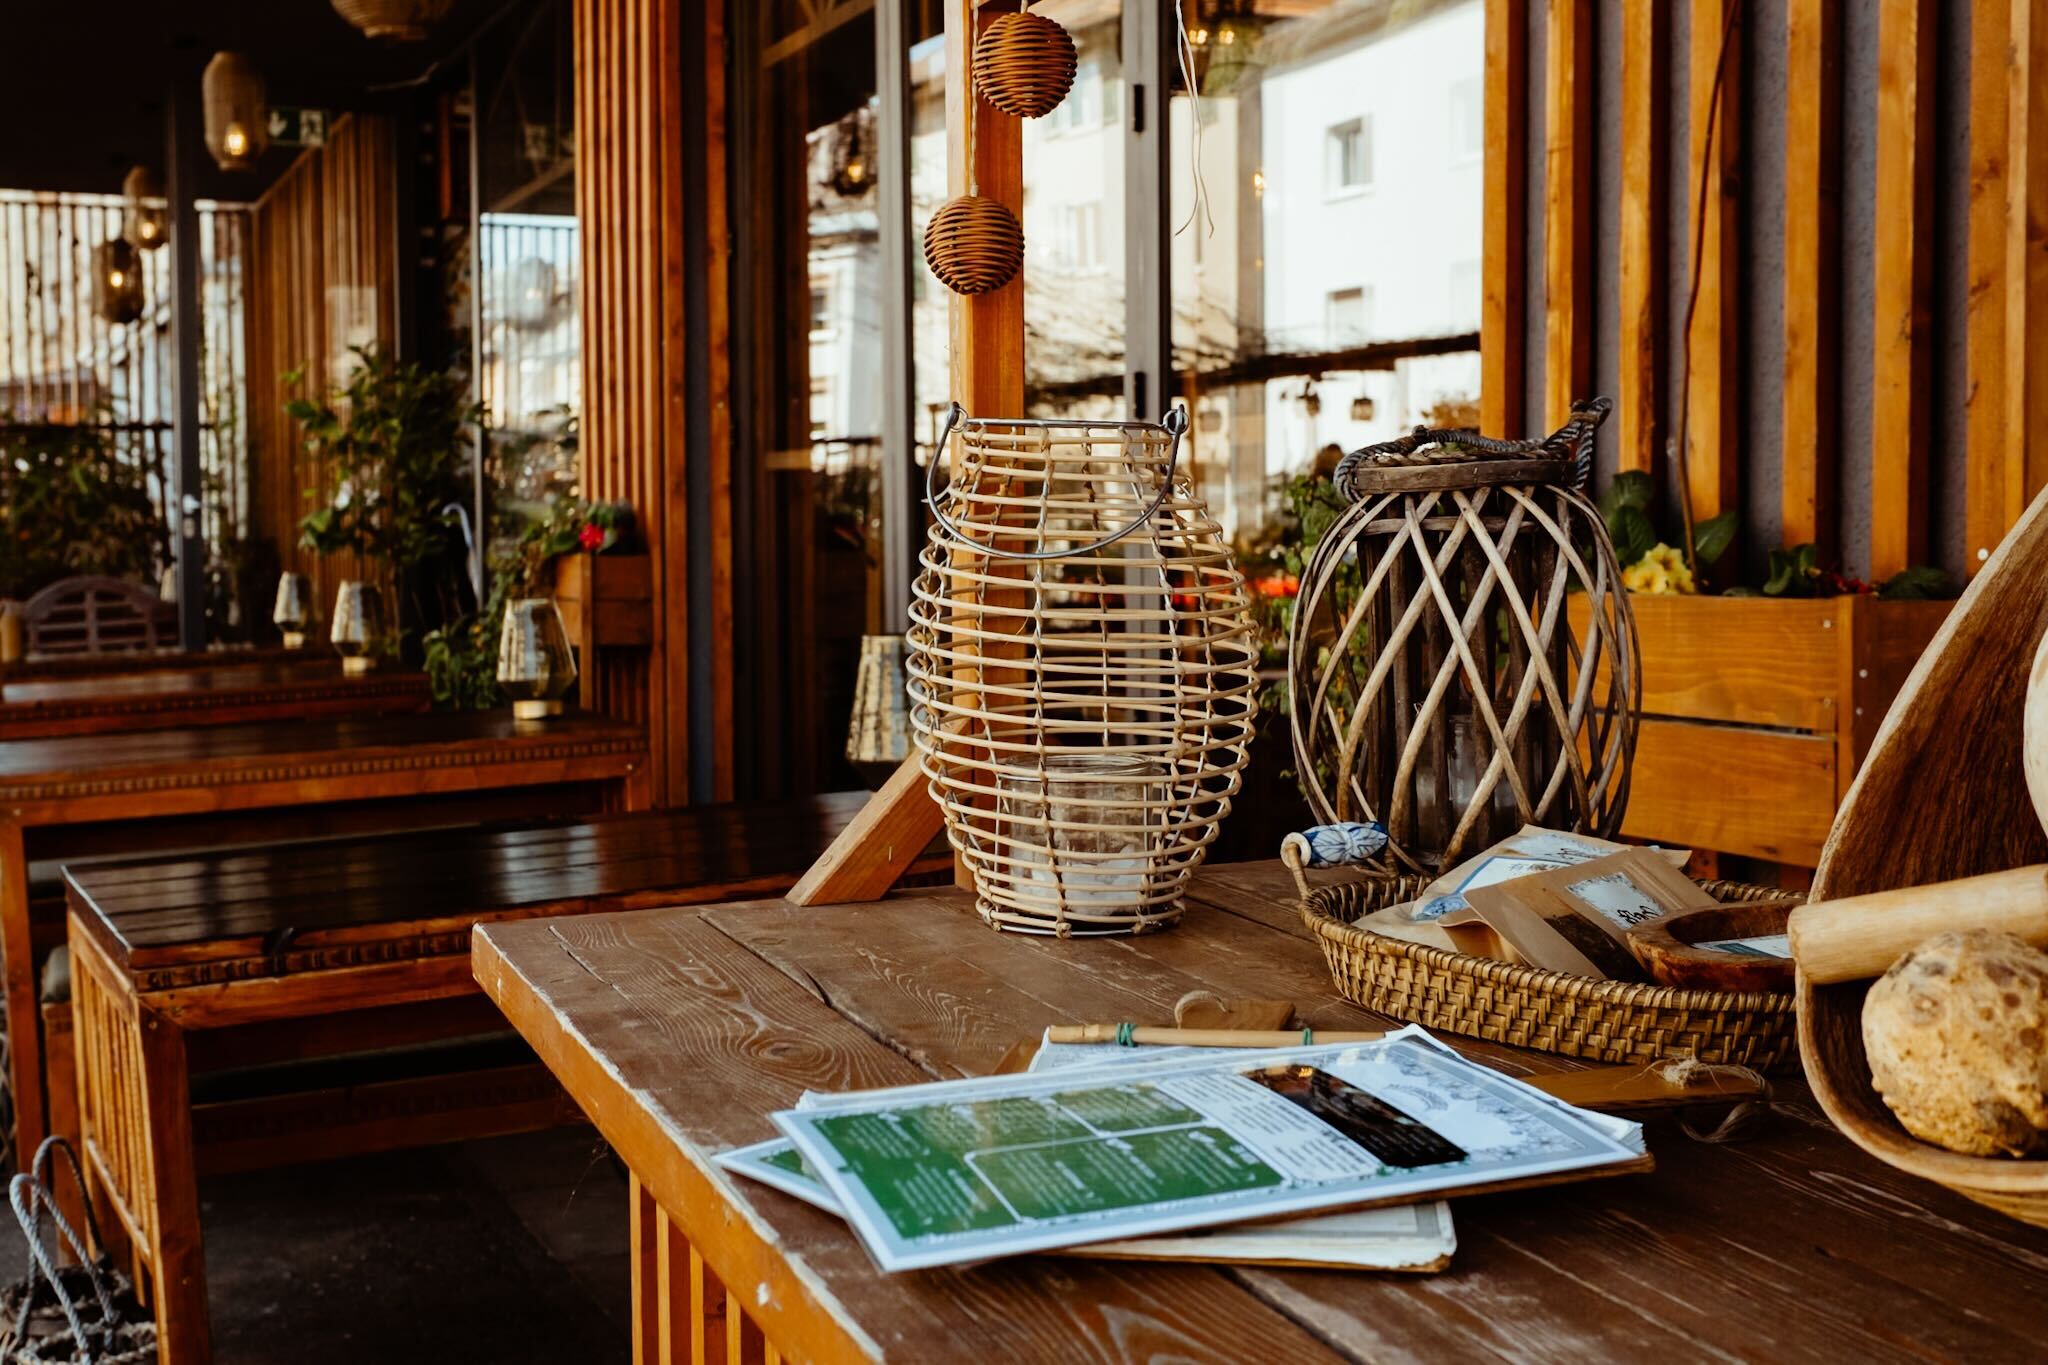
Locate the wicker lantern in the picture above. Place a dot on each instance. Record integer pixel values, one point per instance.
(1024, 64)
(1081, 672)
(144, 196)
(400, 21)
(1434, 682)
(237, 111)
(973, 245)
(117, 281)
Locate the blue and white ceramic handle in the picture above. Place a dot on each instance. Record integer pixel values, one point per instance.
(1341, 845)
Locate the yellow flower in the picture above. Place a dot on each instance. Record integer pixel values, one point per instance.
(1661, 572)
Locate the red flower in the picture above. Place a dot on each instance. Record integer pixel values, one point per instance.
(591, 536)
(1277, 585)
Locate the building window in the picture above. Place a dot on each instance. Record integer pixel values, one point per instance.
(1085, 106)
(1079, 245)
(1467, 120)
(1348, 316)
(1350, 156)
(821, 307)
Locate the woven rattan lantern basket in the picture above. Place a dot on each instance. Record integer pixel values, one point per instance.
(1024, 64)
(1081, 672)
(1434, 682)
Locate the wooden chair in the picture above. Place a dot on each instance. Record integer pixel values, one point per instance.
(90, 615)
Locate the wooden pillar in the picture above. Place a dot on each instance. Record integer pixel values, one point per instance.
(1570, 88)
(183, 141)
(1902, 388)
(1645, 97)
(629, 203)
(1812, 271)
(1504, 287)
(1713, 356)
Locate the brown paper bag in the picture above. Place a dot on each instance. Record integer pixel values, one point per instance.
(1576, 919)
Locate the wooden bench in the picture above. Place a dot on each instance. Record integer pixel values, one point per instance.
(223, 1004)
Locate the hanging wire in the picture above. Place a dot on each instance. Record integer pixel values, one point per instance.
(1185, 50)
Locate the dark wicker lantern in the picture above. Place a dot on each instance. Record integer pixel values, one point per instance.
(1435, 685)
(144, 196)
(973, 244)
(1024, 64)
(399, 21)
(117, 281)
(237, 111)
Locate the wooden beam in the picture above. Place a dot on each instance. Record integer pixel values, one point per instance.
(2025, 383)
(1902, 389)
(1645, 96)
(1713, 417)
(1570, 89)
(1986, 489)
(1504, 228)
(1810, 465)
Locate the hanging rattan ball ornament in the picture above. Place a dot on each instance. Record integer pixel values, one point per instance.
(1024, 64)
(973, 244)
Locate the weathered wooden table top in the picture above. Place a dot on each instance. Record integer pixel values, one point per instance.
(679, 1030)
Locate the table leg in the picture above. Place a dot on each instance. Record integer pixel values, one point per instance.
(681, 1313)
(178, 1256)
(17, 961)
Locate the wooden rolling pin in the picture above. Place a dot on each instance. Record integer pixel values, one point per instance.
(1861, 936)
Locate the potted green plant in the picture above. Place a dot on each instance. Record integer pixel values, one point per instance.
(390, 458)
(68, 506)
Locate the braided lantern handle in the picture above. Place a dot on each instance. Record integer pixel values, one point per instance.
(1572, 442)
(1174, 424)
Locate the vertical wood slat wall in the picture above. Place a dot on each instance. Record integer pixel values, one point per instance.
(1846, 383)
(322, 272)
(629, 202)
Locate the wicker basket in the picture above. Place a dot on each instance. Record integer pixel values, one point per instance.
(1602, 1021)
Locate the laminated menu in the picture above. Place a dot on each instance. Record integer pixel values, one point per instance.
(968, 1170)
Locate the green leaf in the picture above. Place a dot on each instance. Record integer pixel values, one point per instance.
(1633, 534)
(1712, 537)
(1919, 583)
(1792, 572)
(1629, 488)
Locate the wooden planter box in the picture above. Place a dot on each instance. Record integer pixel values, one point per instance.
(607, 601)
(1757, 712)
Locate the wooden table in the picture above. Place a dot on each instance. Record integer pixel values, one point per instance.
(345, 947)
(91, 795)
(679, 1030)
(292, 688)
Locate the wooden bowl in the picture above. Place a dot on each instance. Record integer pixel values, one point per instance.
(1667, 953)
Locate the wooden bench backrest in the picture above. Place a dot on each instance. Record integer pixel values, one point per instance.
(90, 615)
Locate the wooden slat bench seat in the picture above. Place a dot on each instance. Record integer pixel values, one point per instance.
(211, 994)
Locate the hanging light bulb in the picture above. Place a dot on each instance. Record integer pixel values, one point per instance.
(117, 281)
(237, 111)
(144, 194)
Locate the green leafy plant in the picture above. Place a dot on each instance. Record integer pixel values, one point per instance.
(461, 658)
(390, 457)
(69, 505)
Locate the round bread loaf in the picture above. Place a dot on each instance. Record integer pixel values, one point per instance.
(1957, 1036)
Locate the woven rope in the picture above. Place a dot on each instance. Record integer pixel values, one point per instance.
(1083, 720)
(1425, 612)
(1426, 446)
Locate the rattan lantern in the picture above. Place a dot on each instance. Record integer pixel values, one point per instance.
(117, 281)
(1435, 684)
(973, 244)
(237, 110)
(401, 21)
(1024, 64)
(1082, 684)
(143, 196)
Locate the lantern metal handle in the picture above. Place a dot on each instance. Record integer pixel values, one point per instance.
(1174, 424)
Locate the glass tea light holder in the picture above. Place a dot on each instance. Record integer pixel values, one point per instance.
(358, 626)
(536, 668)
(1083, 838)
(293, 612)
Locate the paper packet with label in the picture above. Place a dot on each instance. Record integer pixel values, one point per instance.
(1530, 850)
(1576, 919)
